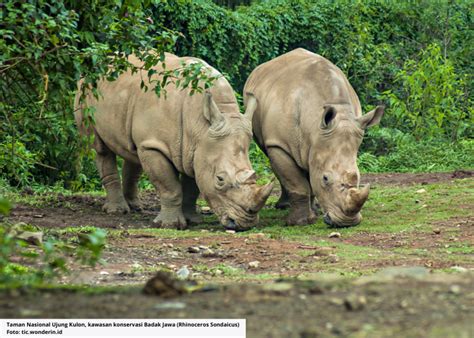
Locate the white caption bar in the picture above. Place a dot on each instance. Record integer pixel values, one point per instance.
(91, 328)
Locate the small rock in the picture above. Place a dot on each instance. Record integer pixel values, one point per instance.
(168, 245)
(164, 284)
(458, 269)
(421, 191)
(34, 238)
(208, 253)
(183, 273)
(193, 249)
(104, 273)
(38, 216)
(335, 235)
(203, 247)
(206, 210)
(455, 289)
(355, 302)
(174, 254)
(333, 258)
(230, 231)
(170, 306)
(437, 231)
(254, 264)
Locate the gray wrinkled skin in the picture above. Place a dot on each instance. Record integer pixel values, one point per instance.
(309, 122)
(186, 144)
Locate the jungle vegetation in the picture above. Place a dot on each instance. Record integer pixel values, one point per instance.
(414, 57)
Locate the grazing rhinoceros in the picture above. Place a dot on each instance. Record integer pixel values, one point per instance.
(186, 144)
(309, 123)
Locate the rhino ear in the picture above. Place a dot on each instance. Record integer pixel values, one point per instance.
(251, 106)
(372, 118)
(328, 116)
(211, 111)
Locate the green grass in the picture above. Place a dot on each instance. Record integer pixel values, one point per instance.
(396, 210)
(390, 209)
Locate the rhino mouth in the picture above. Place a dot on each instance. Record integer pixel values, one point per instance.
(237, 223)
(341, 222)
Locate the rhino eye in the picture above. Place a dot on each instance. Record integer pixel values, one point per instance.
(325, 179)
(220, 180)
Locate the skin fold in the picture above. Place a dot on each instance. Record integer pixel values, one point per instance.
(187, 145)
(309, 122)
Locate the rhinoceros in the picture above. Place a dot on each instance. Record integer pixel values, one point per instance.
(186, 144)
(309, 122)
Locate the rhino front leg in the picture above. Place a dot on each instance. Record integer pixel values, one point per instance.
(107, 165)
(284, 200)
(130, 175)
(297, 186)
(190, 195)
(164, 177)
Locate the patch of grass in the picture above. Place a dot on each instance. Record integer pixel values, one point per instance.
(390, 209)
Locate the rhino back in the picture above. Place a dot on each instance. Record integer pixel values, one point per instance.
(292, 90)
(128, 118)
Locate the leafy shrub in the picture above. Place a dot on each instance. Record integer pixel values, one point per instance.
(23, 264)
(411, 155)
(431, 100)
(47, 46)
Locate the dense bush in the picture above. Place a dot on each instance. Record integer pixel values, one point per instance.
(414, 56)
(45, 48)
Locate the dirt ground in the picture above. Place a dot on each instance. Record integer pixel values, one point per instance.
(381, 306)
(318, 292)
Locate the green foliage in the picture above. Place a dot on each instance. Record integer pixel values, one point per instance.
(432, 99)
(24, 264)
(46, 47)
(394, 151)
(414, 56)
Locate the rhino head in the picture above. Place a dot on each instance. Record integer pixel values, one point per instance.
(334, 174)
(222, 167)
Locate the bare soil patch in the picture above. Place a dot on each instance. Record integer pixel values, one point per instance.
(411, 179)
(437, 306)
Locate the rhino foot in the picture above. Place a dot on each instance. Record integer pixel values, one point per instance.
(134, 205)
(116, 207)
(299, 219)
(193, 218)
(170, 221)
(282, 204)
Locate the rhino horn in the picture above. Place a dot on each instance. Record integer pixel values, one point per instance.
(356, 198)
(251, 106)
(262, 194)
(247, 176)
(211, 111)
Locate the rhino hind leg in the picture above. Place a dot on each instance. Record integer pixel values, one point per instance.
(107, 165)
(164, 177)
(130, 175)
(296, 184)
(190, 195)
